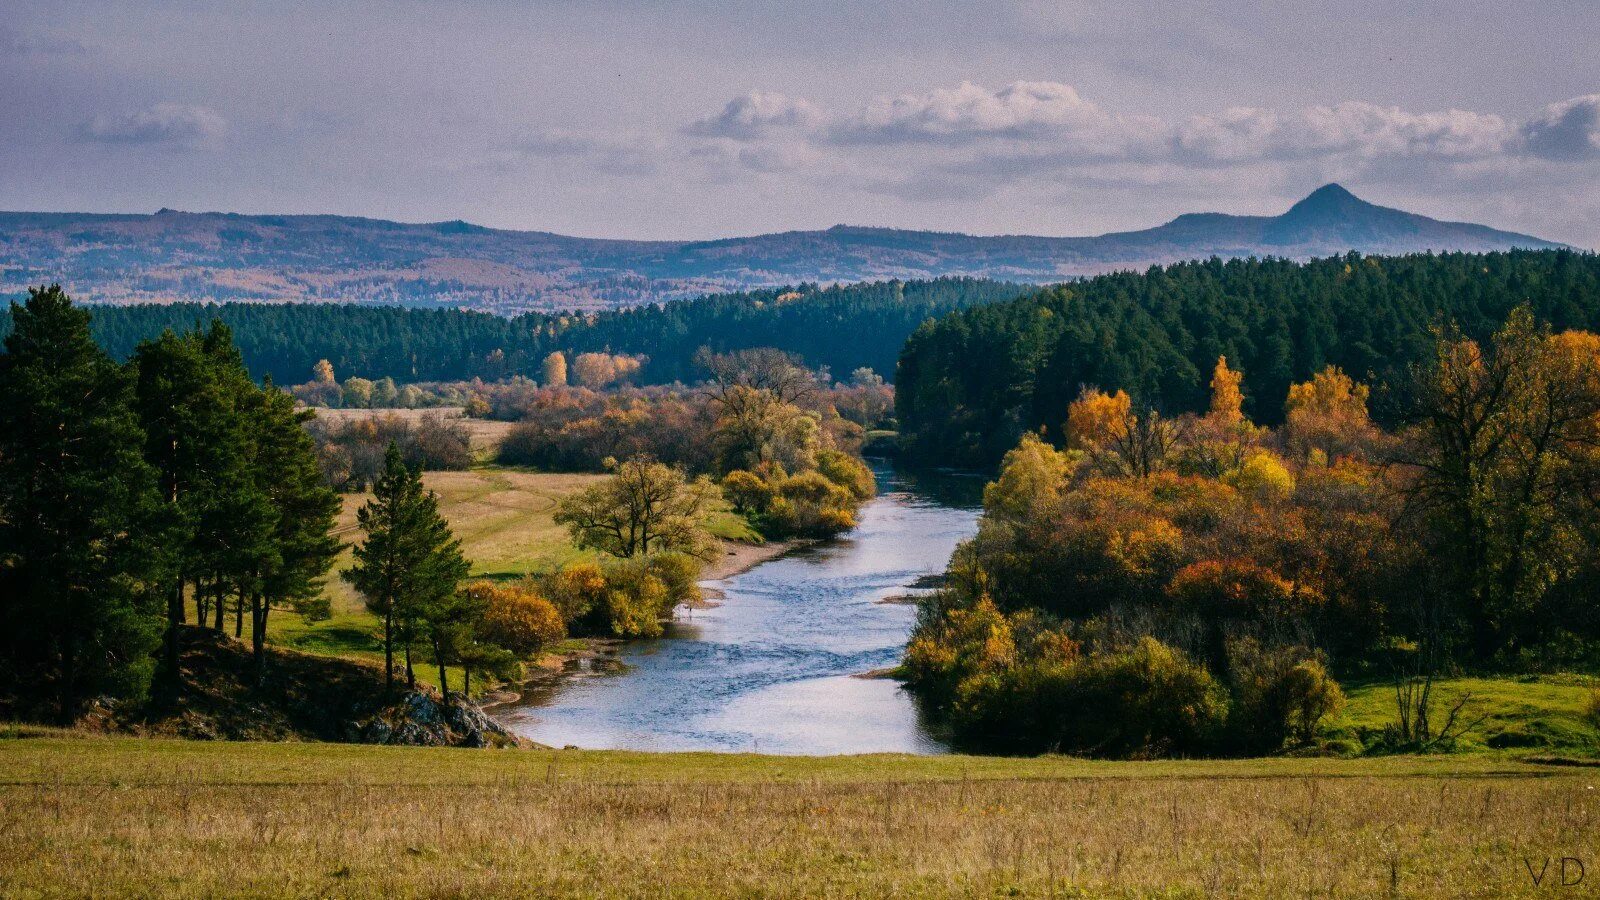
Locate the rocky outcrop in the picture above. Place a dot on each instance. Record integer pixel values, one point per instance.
(422, 720)
(302, 697)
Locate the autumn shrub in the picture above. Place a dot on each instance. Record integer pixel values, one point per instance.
(575, 590)
(748, 492)
(636, 600)
(848, 472)
(517, 617)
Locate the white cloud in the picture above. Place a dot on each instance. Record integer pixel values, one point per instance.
(1565, 131)
(758, 114)
(172, 124)
(1020, 110)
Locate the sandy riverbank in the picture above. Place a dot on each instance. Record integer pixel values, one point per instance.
(734, 558)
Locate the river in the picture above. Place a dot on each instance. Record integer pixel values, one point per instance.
(773, 668)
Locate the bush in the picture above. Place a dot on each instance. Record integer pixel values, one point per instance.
(748, 493)
(517, 617)
(1147, 701)
(636, 600)
(847, 472)
(576, 590)
(1280, 694)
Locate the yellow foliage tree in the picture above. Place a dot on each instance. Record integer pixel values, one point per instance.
(1096, 418)
(1227, 399)
(555, 369)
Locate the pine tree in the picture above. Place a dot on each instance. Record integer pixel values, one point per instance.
(410, 563)
(76, 614)
(193, 395)
(286, 471)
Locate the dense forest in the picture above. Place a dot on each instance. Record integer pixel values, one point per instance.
(1195, 584)
(970, 384)
(842, 328)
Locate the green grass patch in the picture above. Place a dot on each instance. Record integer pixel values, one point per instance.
(1543, 712)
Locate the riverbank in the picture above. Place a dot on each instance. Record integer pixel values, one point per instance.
(141, 817)
(735, 558)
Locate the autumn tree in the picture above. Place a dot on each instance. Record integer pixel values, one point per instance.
(554, 371)
(1328, 414)
(644, 507)
(322, 372)
(79, 594)
(1504, 439)
(1116, 439)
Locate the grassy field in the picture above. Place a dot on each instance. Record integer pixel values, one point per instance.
(131, 817)
(1527, 712)
(503, 518)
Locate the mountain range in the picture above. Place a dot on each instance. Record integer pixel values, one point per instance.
(171, 255)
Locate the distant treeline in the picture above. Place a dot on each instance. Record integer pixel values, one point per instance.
(843, 328)
(970, 384)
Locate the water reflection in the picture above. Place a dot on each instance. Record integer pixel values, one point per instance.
(772, 669)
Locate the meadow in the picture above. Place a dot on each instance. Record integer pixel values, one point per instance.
(139, 817)
(502, 516)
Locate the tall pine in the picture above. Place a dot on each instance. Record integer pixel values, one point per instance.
(77, 616)
(410, 563)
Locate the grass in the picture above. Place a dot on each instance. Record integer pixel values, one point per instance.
(503, 518)
(1529, 711)
(132, 817)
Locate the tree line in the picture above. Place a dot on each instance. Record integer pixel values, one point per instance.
(971, 383)
(130, 491)
(843, 328)
(1194, 584)
(172, 491)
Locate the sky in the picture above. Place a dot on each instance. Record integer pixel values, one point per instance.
(710, 118)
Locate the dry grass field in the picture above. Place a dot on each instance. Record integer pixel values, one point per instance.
(131, 817)
(486, 434)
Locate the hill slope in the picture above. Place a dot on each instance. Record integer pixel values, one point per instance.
(225, 256)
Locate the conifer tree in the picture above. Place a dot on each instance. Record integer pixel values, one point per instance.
(286, 472)
(410, 563)
(76, 614)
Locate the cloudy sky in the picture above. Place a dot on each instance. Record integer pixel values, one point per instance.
(709, 118)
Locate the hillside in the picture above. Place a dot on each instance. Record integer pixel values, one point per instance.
(173, 255)
(842, 327)
(1157, 334)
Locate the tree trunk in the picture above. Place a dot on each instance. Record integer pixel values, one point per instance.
(411, 674)
(175, 618)
(388, 648)
(466, 682)
(238, 616)
(444, 678)
(258, 636)
(219, 610)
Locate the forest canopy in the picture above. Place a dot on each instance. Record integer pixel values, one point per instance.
(842, 328)
(971, 384)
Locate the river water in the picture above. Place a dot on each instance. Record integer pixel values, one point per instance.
(772, 669)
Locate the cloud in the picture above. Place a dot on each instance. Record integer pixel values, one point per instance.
(924, 143)
(1022, 110)
(1565, 131)
(1362, 130)
(170, 124)
(758, 114)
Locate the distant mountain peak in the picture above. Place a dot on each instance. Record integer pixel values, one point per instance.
(1331, 201)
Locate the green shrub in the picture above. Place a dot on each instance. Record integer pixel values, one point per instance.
(1147, 701)
(1279, 694)
(847, 472)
